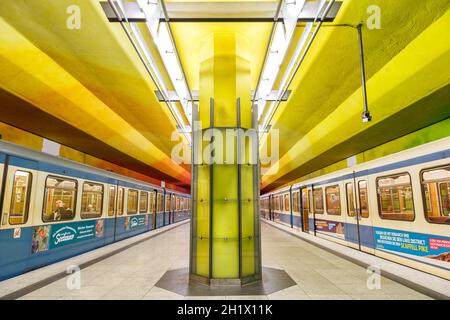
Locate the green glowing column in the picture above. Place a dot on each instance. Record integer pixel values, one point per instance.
(225, 229)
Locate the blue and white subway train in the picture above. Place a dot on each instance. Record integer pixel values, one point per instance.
(396, 207)
(53, 208)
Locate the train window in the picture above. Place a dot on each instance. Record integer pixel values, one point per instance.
(143, 202)
(295, 207)
(287, 204)
(60, 199)
(363, 198)
(159, 202)
(167, 203)
(333, 200)
(350, 199)
(395, 198)
(120, 199)
(318, 200)
(20, 200)
(152, 202)
(132, 201)
(91, 200)
(305, 200)
(277, 203)
(178, 204)
(111, 200)
(436, 191)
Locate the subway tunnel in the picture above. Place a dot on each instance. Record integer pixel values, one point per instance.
(216, 150)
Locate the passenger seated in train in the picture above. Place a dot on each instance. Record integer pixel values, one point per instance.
(61, 212)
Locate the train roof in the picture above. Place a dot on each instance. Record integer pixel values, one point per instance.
(20, 151)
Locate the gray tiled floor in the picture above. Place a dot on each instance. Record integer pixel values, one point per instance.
(132, 274)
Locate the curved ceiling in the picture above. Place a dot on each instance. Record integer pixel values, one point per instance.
(92, 87)
(90, 79)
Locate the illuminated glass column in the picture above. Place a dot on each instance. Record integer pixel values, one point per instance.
(225, 227)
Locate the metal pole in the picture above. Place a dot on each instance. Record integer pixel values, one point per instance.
(272, 33)
(302, 58)
(136, 48)
(211, 191)
(239, 187)
(166, 17)
(366, 114)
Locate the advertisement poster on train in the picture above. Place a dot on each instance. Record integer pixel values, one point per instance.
(132, 223)
(417, 244)
(333, 227)
(99, 226)
(40, 239)
(72, 233)
(58, 235)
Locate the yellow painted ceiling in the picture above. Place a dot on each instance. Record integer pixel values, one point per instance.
(329, 79)
(188, 36)
(92, 79)
(111, 96)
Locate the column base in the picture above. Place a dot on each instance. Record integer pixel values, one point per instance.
(237, 282)
(181, 282)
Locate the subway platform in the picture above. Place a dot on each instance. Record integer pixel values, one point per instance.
(132, 270)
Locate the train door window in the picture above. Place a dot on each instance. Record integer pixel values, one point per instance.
(333, 200)
(143, 202)
(363, 198)
(318, 200)
(91, 200)
(111, 201)
(120, 199)
(395, 198)
(436, 191)
(295, 207)
(20, 200)
(152, 202)
(159, 202)
(351, 210)
(132, 201)
(305, 200)
(287, 203)
(167, 203)
(60, 199)
(310, 199)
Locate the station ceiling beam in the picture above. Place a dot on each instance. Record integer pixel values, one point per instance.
(234, 11)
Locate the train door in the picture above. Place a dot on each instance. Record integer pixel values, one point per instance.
(308, 213)
(112, 212)
(305, 208)
(358, 227)
(2, 181)
(153, 208)
(173, 212)
(270, 207)
(119, 210)
(20, 178)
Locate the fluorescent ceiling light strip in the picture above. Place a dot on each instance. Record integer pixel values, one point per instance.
(308, 45)
(166, 48)
(164, 92)
(277, 52)
(144, 53)
(290, 68)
